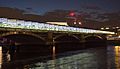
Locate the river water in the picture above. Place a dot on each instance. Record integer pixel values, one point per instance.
(92, 58)
(97, 57)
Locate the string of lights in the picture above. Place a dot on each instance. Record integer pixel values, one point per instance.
(14, 23)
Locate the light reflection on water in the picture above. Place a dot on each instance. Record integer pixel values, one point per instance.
(93, 58)
(113, 53)
(0, 56)
(117, 56)
(81, 59)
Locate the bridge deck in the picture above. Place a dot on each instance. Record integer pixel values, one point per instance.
(29, 25)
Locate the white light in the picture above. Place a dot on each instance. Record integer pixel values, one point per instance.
(117, 27)
(107, 28)
(119, 36)
(80, 23)
(43, 26)
(102, 28)
(58, 23)
(74, 22)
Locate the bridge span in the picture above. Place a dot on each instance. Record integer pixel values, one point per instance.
(9, 24)
(48, 33)
(34, 37)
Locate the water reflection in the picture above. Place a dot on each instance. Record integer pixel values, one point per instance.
(53, 56)
(117, 56)
(92, 58)
(0, 56)
(80, 59)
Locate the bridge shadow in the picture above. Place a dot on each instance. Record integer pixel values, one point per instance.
(93, 41)
(25, 46)
(67, 43)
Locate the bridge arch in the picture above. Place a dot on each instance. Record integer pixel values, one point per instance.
(67, 42)
(89, 37)
(23, 33)
(27, 45)
(66, 37)
(94, 40)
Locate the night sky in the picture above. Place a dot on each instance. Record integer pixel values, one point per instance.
(42, 6)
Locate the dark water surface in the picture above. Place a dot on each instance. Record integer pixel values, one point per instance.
(97, 57)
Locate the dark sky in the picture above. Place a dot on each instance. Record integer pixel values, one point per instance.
(42, 6)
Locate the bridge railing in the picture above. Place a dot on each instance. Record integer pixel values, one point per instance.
(22, 24)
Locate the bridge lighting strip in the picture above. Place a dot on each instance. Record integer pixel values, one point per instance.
(14, 23)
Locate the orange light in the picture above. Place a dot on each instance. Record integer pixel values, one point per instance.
(117, 51)
(0, 56)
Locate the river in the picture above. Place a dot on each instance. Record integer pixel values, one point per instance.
(97, 57)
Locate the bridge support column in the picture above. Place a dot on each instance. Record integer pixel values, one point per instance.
(12, 51)
(50, 42)
(105, 39)
(50, 38)
(82, 38)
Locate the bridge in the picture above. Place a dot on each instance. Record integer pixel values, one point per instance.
(29, 36)
(14, 26)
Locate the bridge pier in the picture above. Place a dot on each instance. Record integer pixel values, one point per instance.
(49, 38)
(50, 42)
(82, 38)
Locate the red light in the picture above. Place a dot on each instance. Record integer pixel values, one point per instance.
(72, 14)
